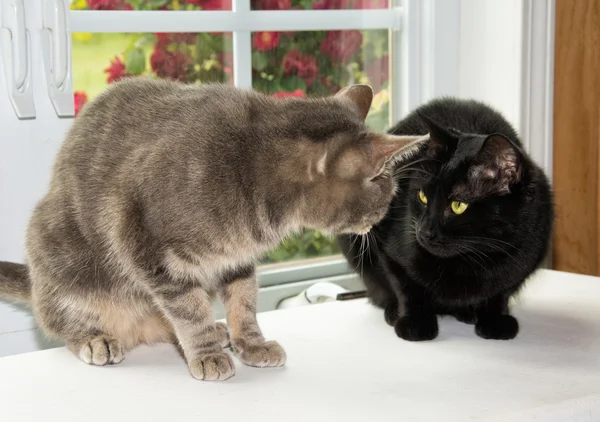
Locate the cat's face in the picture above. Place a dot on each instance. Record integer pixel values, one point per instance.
(350, 179)
(464, 204)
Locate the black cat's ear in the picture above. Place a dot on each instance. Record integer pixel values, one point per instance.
(443, 141)
(360, 95)
(497, 165)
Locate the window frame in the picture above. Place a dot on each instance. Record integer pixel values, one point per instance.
(418, 30)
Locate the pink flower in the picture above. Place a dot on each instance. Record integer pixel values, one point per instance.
(211, 4)
(378, 72)
(371, 4)
(109, 5)
(333, 4)
(273, 4)
(169, 64)
(341, 46)
(265, 41)
(116, 70)
(164, 39)
(283, 94)
(80, 99)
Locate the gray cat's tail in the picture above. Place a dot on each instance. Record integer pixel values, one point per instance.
(14, 282)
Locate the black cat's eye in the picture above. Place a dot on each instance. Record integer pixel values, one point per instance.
(458, 207)
(422, 197)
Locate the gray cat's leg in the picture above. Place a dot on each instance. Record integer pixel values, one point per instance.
(189, 309)
(97, 349)
(223, 334)
(239, 296)
(77, 328)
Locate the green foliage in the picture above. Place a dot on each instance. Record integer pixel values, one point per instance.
(305, 245)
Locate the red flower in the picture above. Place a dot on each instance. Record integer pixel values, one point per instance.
(116, 70)
(80, 99)
(283, 94)
(308, 70)
(164, 39)
(340, 46)
(378, 72)
(291, 62)
(274, 4)
(294, 63)
(169, 64)
(265, 41)
(211, 4)
(109, 5)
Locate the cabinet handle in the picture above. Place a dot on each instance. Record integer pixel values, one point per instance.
(16, 57)
(56, 55)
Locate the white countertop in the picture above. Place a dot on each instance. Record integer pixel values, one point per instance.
(346, 364)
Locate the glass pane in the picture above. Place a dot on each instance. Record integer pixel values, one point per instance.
(99, 59)
(151, 5)
(318, 4)
(320, 63)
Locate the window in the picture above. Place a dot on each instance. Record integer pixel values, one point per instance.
(279, 47)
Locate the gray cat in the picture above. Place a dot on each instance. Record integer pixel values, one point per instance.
(164, 195)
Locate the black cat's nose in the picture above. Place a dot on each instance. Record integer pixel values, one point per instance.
(427, 234)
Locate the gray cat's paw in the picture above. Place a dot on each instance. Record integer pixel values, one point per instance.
(260, 355)
(223, 334)
(102, 350)
(214, 367)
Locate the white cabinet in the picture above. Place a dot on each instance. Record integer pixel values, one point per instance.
(27, 151)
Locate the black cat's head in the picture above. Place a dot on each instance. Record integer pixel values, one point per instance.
(466, 203)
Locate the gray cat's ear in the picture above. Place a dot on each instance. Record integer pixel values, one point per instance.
(497, 166)
(388, 148)
(360, 95)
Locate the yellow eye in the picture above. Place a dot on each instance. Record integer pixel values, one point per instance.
(422, 197)
(458, 207)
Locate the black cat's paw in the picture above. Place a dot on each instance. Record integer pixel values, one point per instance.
(502, 327)
(390, 313)
(417, 328)
(466, 315)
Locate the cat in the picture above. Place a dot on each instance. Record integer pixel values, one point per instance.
(471, 221)
(164, 195)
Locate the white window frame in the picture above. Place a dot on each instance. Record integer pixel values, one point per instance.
(422, 32)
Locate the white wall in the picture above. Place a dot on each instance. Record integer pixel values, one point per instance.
(490, 66)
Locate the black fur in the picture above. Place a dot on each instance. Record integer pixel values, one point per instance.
(425, 260)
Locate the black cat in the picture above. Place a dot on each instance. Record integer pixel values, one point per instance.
(472, 219)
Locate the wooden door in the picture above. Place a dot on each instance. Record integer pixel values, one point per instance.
(576, 170)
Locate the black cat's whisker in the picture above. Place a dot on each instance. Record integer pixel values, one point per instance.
(491, 239)
(472, 254)
(495, 248)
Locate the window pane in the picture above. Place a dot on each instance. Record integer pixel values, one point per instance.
(318, 4)
(151, 5)
(99, 59)
(320, 63)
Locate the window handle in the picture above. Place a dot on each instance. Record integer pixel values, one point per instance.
(16, 57)
(56, 55)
